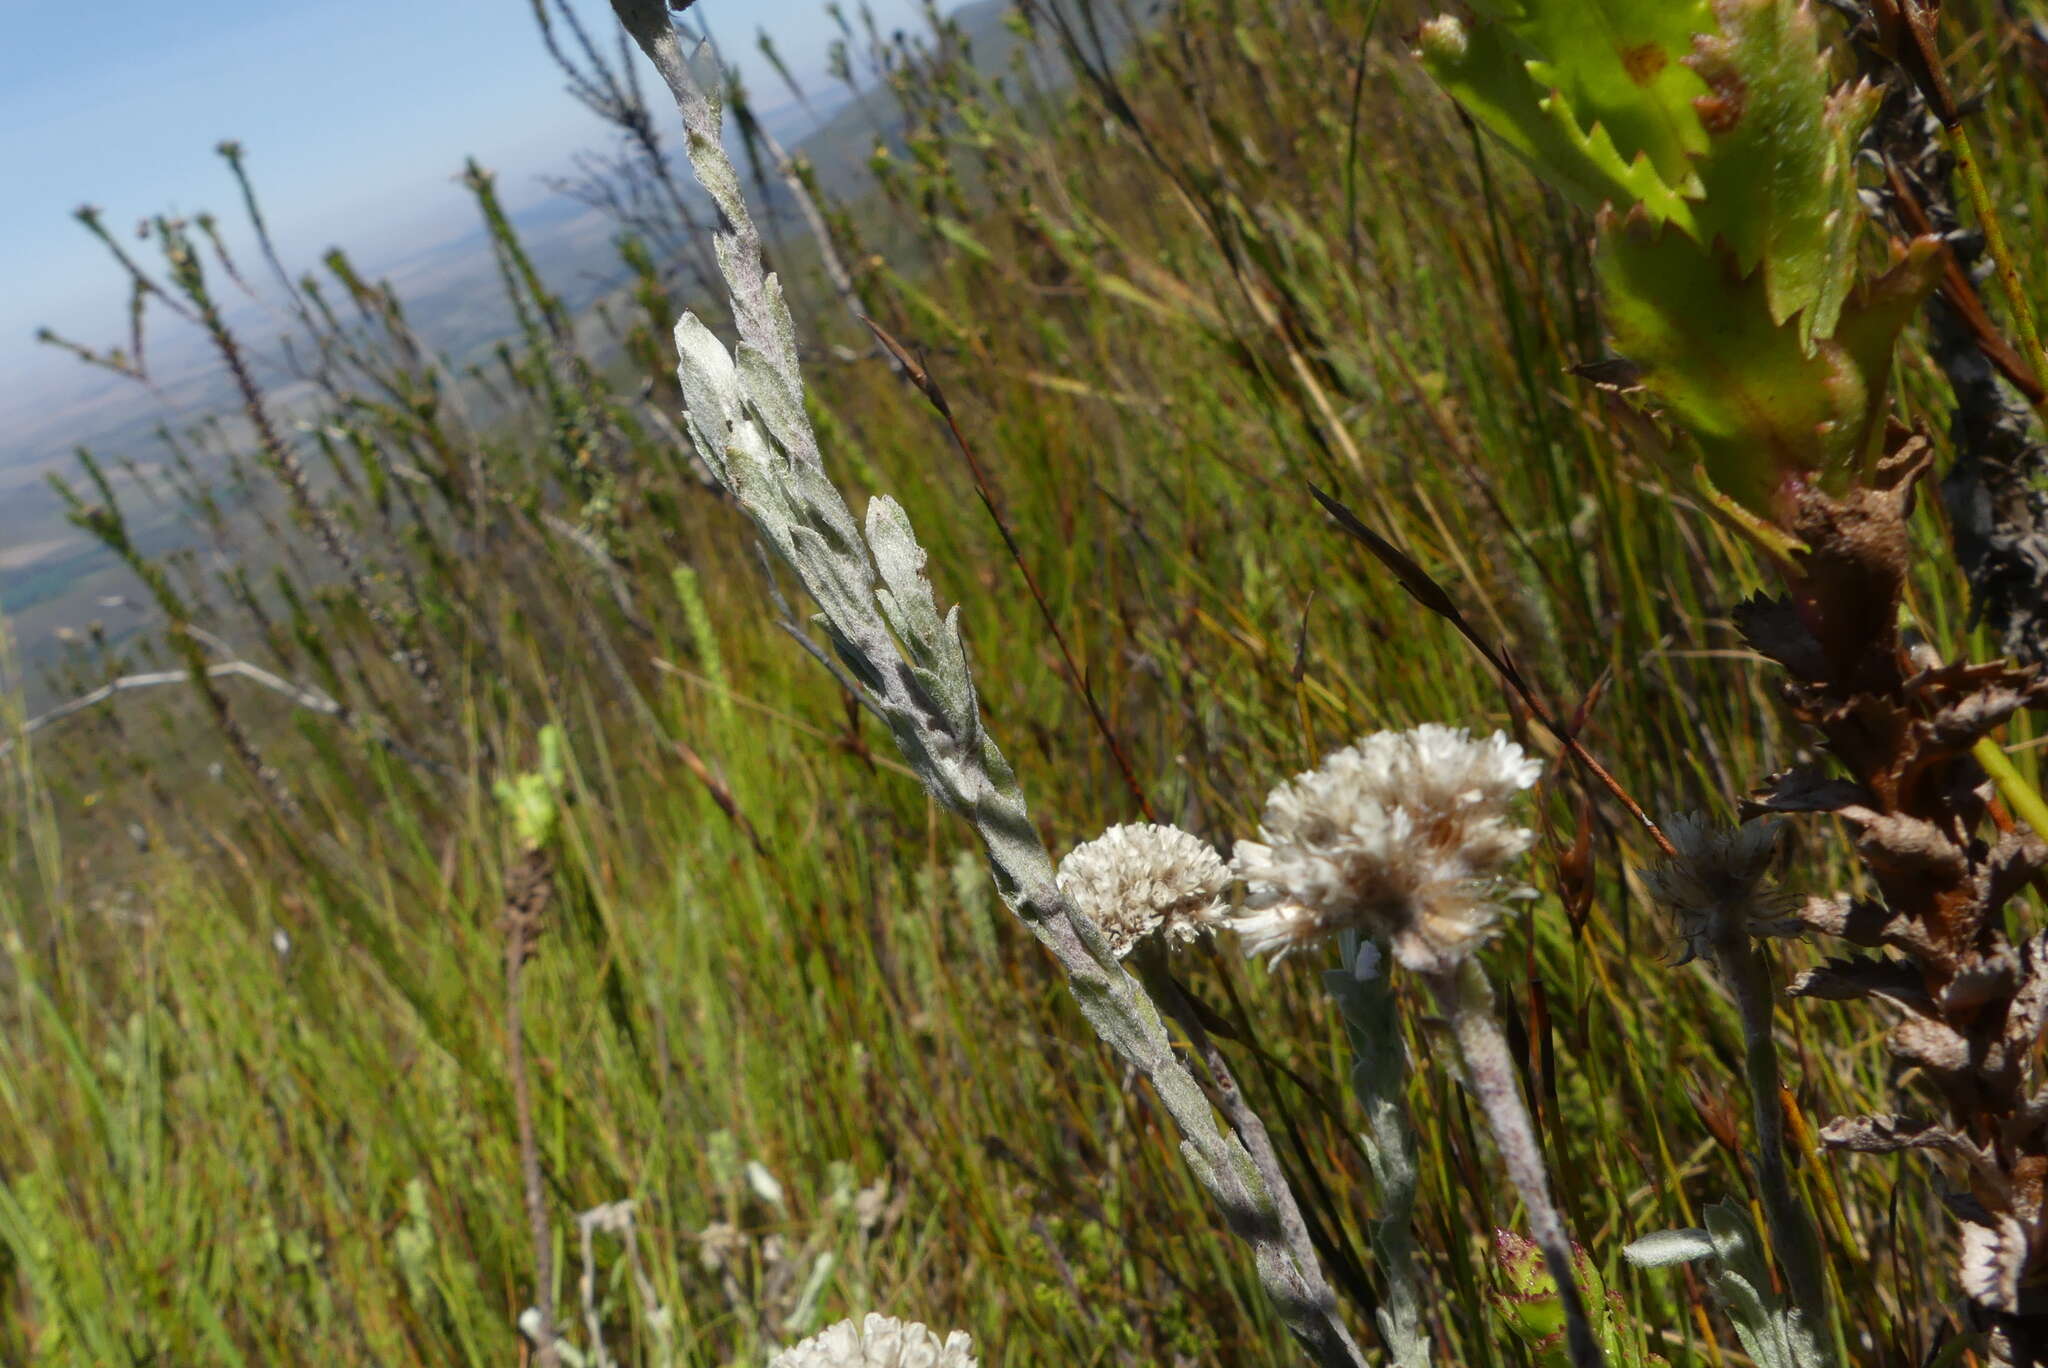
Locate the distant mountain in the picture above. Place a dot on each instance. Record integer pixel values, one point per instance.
(51, 576)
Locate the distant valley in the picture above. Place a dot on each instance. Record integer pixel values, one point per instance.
(56, 582)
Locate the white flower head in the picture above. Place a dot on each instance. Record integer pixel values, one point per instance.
(878, 1342)
(1401, 837)
(1143, 882)
(1716, 884)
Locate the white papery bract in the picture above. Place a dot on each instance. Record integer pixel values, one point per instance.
(878, 1342)
(1401, 837)
(1716, 885)
(1146, 881)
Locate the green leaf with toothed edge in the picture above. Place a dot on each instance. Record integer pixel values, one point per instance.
(1618, 67)
(1486, 72)
(1758, 404)
(1779, 178)
(1713, 115)
(1762, 406)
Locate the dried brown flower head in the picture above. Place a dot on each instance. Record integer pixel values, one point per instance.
(1717, 885)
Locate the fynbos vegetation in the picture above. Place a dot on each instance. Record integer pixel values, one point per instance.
(552, 881)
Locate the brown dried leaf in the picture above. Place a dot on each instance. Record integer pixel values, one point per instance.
(1895, 843)
(2011, 863)
(1931, 1043)
(1773, 628)
(1968, 677)
(1908, 457)
(1890, 1134)
(1978, 981)
(1806, 789)
(2028, 1012)
(1958, 726)
(1849, 980)
(1993, 1256)
(1859, 921)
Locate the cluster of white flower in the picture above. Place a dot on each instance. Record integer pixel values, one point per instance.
(1145, 882)
(1401, 837)
(878, 1342)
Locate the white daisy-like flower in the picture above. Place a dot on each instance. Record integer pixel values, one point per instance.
(878, 1342)
(1716, 886)
(1401, 837)
(1145, 881)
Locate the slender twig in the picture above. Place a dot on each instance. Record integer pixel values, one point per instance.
(392, 638)
(302, 695)
(526, 898)
(305, 698)
(1426, 591)
(1914, 24)
(1349, 1268)
(1250, 1128)
(2001, 252)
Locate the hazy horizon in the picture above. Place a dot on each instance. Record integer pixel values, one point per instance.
(355, 140)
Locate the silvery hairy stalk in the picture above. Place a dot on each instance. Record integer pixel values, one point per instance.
(908, 665)
(1717, 886)
(1364, 995)
(1406, 836)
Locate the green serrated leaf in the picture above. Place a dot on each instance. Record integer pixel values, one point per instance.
(1617, 66)
(1763, 406)
(1779, 181)
(1490, 76)
(1760, 405)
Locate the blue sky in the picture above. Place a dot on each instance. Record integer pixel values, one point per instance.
(354, 116)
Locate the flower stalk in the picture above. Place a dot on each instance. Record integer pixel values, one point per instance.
(888, 644)
(1379, 1074)
(1467, 999)
(1717, 885)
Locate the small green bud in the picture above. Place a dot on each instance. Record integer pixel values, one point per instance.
(533, 800)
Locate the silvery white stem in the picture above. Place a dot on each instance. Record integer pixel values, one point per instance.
(1379, 1073)
(745, 415)
(1468, 999)
(1250, 1128)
